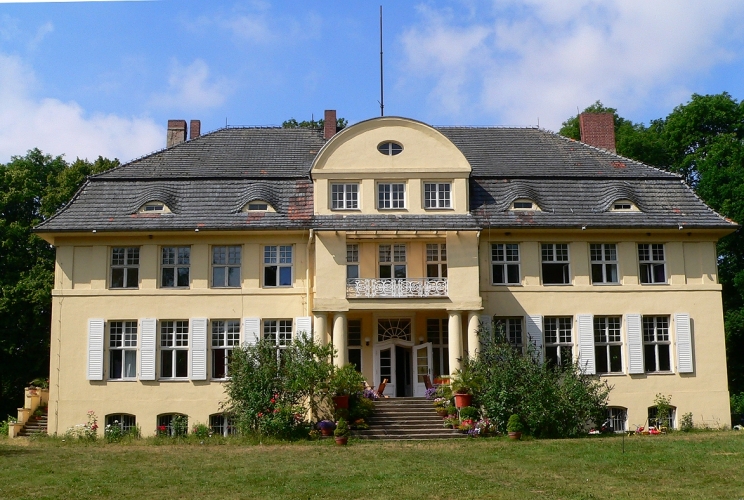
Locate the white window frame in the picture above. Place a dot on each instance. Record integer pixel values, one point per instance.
(166, 420)
(518, 205)
(354, 326)
(278, 331)
(390, 148)
(436, 261)
(554, 330)
(222, 425)
(175, 259)
(601, 255)
(391, 196)
(391, 259)
(344, 196)
(506, 256)
(123, 343)
(278, 258)
(352, 261)
(125, 421)
(437, 332)
(229, 259)
(618, 415)
(552, 254)
(649, 263)
(225, 336)
(437, 195)
(126, 260)
(607, 335)
(656, 334)
(513, 330)
(174, 342)
(154, 207)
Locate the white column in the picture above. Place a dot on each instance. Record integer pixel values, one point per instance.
(340, 339)
(473, 327)
(321, 328)
(455, 340)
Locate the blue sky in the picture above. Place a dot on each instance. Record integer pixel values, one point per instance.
(102, 78)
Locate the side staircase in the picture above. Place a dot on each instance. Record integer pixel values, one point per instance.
(35, 425)
(406, 419)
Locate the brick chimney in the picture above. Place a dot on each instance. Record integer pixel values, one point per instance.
(329, 130)
(598, 130)
(176, 132)
(195, 128)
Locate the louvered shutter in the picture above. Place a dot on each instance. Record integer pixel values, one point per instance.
(586, 344)
(198, 349)
(251, 331)
(534, 333)
(95, 349)
(635, 343)
(148, 336)
(304, 327)
(684, 342)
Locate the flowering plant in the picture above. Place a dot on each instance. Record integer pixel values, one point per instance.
(442, 402)
(370, 394)
(451, 422)
(326, 425)
(430, 392)
(467, 425)
(360, 424)
(87, 431)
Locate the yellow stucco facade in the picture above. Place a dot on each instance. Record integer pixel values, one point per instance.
(437, 306)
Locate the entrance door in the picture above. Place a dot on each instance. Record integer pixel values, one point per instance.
(384, 366)
(422, 362)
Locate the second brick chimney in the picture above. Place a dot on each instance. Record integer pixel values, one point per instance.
(329, 128)
(598, 130)
(195, 128)
(176, 132)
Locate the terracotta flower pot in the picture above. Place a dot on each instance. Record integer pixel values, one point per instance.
(326, 432)
(463, 400)
(442, 412)
(515, 436)
(341, 402)
(342, 441)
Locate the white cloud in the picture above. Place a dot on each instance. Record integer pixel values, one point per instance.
(58, 127)
(41, 33)
(520, 60)
(190, 88)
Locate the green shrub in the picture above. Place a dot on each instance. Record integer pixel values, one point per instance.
(514, 424)
(664, 407)
(552, 402)
(180, 425)
(5, 426)
(360, 407)
(202, 431)
(737, 403)
(451, 410)
(686, 424)
(346, 381)
(342, 429)
(468, 413)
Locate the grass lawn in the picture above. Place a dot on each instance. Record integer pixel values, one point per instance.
(697, 465)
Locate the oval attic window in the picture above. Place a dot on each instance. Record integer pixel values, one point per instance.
(390, 148)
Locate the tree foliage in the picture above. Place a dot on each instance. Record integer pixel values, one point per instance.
(32, 188)
(314, 124)
(702, 140)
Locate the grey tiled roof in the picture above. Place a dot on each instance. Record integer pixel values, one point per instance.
(207, 181)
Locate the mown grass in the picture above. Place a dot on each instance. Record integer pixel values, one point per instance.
(696, 465)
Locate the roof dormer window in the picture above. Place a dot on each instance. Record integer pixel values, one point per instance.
(154, 207)
(390, 148)
(624, 206)
(258, 206)
(524, 204)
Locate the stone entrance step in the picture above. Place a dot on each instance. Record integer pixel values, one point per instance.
(403, 419)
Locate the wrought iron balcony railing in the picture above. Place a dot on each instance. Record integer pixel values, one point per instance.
(396, 287)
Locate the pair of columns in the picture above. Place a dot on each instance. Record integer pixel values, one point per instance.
(340, 336)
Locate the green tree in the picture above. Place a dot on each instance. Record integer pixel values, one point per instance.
(32, 188)
(312, 123)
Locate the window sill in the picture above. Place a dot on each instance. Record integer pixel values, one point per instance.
(654, 284)
(612, 374)
(226, 287)
(557, 284)
(345, 209)
(179, 379)
(438, 209)
(124, 288)
(175, 287)
(606, 284)
(122, 380)
(507, 284)
(659, 373)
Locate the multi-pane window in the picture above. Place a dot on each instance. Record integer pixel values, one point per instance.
(173, 424)
(354, 332)
(278, 331)
(127, 423)
(122, 350)
(125, 267)
(559, 341)
(505, 264)
(278, 265)
(555, 267)
(392, 261)
(654, 421)
(225, 337)
(437, 195)
(174, 264)
(511, 329)
(656, 344)
(352, 261)
(651, 262)
(390, 148)
(437, 332)
(607, 344)
(222, 425)
(617, 417)
(604, 262)
(436, 260)
(391, 195)
(226, 266)
(174, 349)
(344, 196)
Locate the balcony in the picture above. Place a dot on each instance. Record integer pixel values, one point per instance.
(373, 288)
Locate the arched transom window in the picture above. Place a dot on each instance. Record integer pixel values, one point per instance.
(394, 329)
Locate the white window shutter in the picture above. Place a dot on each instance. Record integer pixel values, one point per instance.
(535, 334)
(251, 331)
(304, 327)
(198, 350)
(635, 343)
(148, 336)
(95, 348)
(586, 344)
(684, 342)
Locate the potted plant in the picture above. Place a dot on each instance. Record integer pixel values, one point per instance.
(342, 432)
(441, 406)
(514, 427)
(326, 427)
(345, 382)
(465, 382)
